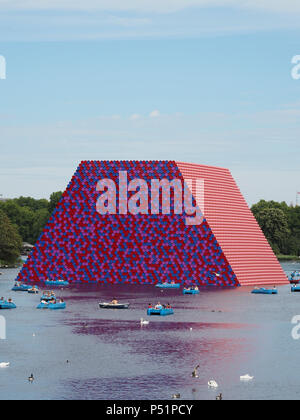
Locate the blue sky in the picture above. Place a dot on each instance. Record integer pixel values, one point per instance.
(150, 80)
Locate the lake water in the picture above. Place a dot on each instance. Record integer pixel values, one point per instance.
(112, 357)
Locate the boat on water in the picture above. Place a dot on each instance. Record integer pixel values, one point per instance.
(48, 295)
(110, 305)
(33, 290)
(160, 311)
(168, 285)
(4, 304)
(263, 291)
(295, 288)
(57, 283)
(190, 291)
(295, 277)
(52, 305)
(18, 287)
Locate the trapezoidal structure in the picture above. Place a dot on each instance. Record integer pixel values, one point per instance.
(132, 222)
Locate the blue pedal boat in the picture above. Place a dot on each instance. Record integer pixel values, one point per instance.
(161, 312)
(56, 283)
(295, 288)
(7, 305)
(21, 288)
(47, 296)
(48, 305)
(263, 291)
(168, 285)
(191, 291)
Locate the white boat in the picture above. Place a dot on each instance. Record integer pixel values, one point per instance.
(109, 305)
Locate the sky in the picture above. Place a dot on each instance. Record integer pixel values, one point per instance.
(200, 81)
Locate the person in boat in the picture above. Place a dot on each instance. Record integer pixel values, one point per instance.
(158, 306)
(114, 301)
(172, 282)
(10, 300)
(168, 306)
(196, 288)
(150, 306)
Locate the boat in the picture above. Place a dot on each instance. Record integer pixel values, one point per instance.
(33, 290)
(109, 305)
(168, 285)
(21, 287)
(7, 305)
(56, 283)
(161, 312)
(295, 277)
(51, 305)
(263, 291)
(295, 288)
(189, 291)
(57, 305)
(47, 296)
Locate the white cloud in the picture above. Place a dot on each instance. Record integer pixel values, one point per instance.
(154, 114)
(158, 6)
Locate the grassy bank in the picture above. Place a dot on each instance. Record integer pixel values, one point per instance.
(288, 258)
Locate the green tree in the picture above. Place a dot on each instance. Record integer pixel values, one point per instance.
(10, 240)
(274, 224)
(41, 217)
(54, 200)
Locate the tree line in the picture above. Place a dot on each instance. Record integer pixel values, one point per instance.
(23, 220)
(280, 224)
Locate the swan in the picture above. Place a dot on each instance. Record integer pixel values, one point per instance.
(246, 378)
(175, 396)
(212, 384)
(144, 322)
(4, 364)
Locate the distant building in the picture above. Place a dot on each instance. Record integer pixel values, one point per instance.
(101, 232)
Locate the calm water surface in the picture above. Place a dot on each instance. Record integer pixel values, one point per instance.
(112, 357)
